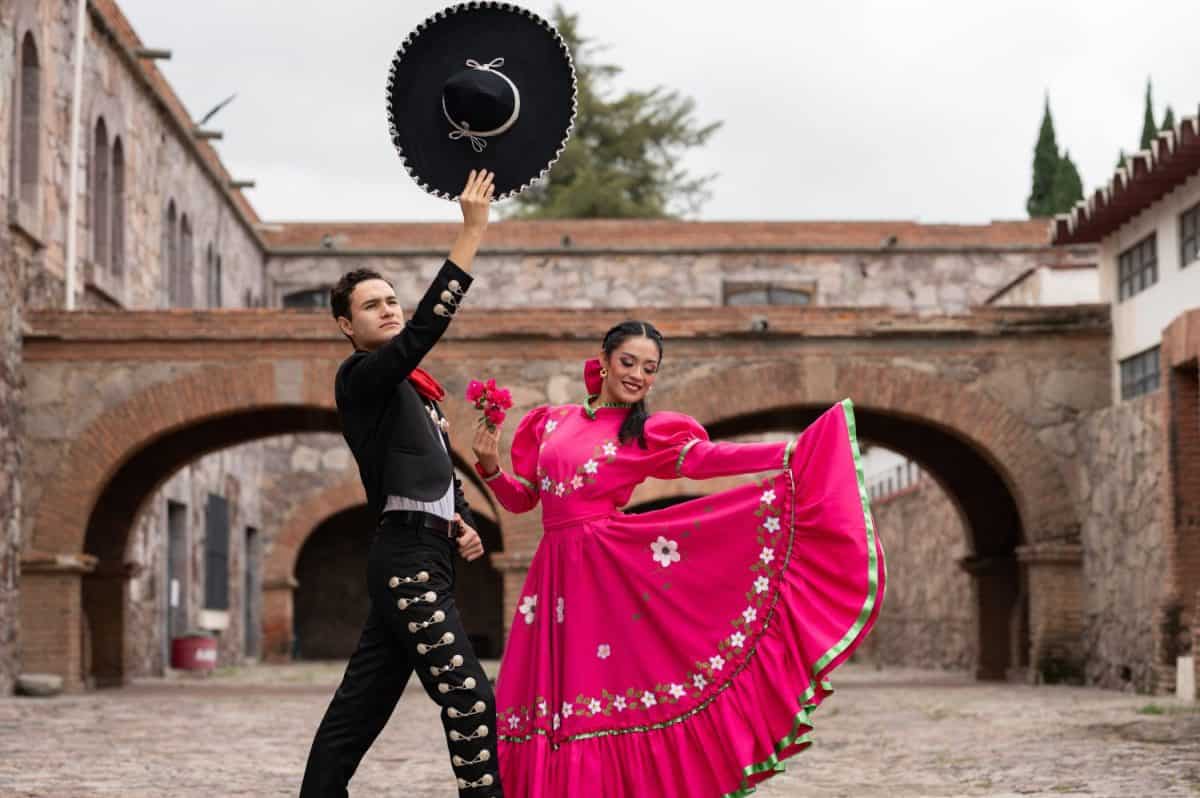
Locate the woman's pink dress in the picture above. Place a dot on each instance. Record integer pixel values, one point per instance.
(679, 652)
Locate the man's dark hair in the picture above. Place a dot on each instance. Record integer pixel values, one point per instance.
(339, 295)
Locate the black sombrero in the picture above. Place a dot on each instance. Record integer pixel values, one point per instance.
(481, 85)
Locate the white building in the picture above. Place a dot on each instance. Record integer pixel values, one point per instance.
(1147, 223)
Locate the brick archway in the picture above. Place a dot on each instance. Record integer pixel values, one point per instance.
(1012, 497)
(76, 561)
(305, 517)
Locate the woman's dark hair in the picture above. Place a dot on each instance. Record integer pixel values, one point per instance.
(634, 425)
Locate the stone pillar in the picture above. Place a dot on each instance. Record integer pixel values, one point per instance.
(995, 585)
(1054, 575)
(513, 568)
(278, 620)
(52, 629)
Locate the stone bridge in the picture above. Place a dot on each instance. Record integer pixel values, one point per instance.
(119, 401)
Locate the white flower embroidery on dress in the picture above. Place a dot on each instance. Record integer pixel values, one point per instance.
(620, 704)
(610, 449)
(551, 425)
(547, 483)
(542, 707)
(750, 615)
(528, 605)
(737, 640)
(700, 681)
(604, 651)
(771, 524)
(768, 554)
(567, 709)
(560, 489)
(678, 691)
(513, 721)
(762, 584)
(595, 707)
(557, 721)
(768, 497)
(716, 662)
(576, 482)
(648, 699)
(665, 551)
(560, 610)
(591, 466)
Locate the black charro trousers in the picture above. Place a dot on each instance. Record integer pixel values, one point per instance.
(413, 624)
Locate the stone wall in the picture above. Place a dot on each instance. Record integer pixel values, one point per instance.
(11, 384)
(1117, 464)
(916, 280)
(928, 618)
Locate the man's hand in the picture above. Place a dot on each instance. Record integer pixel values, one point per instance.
(476, 201)
(487, 447)
(470, 547)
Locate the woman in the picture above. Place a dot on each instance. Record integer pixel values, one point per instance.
(678, 652)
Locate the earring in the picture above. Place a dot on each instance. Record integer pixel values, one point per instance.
(604, 373)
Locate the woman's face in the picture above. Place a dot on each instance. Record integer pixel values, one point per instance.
(632, 369)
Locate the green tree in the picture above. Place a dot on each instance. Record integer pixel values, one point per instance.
(1169, 119)
(624, 158)
(1068, 187)
(1149, 127)
(1045, 168)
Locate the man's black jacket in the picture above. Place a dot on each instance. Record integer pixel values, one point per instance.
(386, 422)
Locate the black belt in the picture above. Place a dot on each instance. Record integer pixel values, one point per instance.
(420, 520)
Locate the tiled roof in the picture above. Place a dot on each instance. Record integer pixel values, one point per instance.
(1145, 177)
(661, 234)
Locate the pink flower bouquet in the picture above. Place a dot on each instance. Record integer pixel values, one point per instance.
(492, 400)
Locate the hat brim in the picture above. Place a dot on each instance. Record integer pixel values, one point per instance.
(536, 60)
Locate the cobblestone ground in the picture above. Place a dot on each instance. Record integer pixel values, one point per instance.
(889, 733)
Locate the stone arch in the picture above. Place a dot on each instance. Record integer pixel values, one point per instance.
(1006, 484)
(83, 522)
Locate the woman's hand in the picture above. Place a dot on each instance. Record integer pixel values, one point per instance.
(486, 447)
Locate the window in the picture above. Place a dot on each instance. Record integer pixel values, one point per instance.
(1189, 236)
(117, 210)
(310, 299)
(170, 253)
(187, 256)
(101, 224)
(212, 265)
(29, 124)
(216, 553)
(1137, 268)
(765, 293)
(1139, 374)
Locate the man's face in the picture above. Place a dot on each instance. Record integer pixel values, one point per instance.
(375, 315)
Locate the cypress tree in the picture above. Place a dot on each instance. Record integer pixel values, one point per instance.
(1045, 168)
(1169, 119)
(1068, 187)
(1149, 127)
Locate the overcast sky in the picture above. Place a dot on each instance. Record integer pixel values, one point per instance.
(832, 110)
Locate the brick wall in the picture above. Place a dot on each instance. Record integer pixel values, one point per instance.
(11, 449)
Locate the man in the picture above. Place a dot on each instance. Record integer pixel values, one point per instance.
(390, 418)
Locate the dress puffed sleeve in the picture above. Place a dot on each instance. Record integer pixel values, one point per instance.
(679, 447)
(518, 491)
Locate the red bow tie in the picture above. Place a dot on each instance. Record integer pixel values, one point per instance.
(426, 385)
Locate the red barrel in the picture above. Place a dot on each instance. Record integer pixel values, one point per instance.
(194, 653)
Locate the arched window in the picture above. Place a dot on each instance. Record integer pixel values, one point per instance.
(308, 299)
(186, 262)
(170, 253)
(101, 223)
(212, 262)
(117, 242)
(29, 123)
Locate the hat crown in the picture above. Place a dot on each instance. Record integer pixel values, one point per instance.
(478, 99)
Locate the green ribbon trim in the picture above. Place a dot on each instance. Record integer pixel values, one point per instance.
(591, 409)
(532, 487)
(687, 447)
(804, 717)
